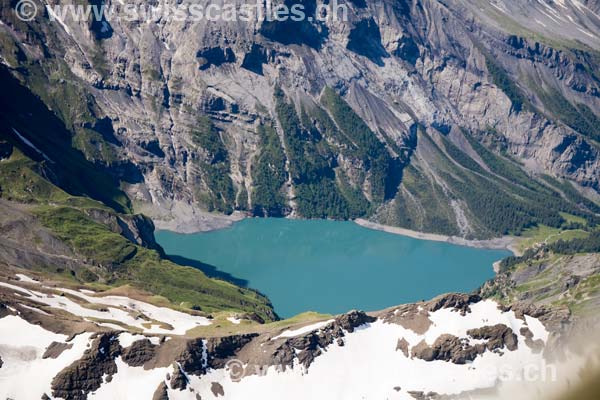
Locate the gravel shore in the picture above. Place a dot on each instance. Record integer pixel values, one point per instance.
(198, 221)
(505, 242)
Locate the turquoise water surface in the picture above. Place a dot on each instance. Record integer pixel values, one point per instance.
(331, 266)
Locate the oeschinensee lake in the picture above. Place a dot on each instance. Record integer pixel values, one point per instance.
(332, 266)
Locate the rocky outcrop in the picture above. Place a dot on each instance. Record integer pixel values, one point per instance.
(352, 320)
(497, 337)
(420, 395)
(217, 389)
(55, 349)
(138, 228)
(365, 39)
(193, 359)
(458, 301)
(306, 348)
(402, 345)
(448, 348)
(88, 373)
(460, 351)
(223, 348)
(178, 379)
(4, 311)
(161, 392)
(416, 316)
(139, 353)
(536, 345)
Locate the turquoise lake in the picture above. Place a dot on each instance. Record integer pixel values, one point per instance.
(331, 266)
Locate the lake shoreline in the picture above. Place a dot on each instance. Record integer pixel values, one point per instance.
(503, 243)
(209, 222)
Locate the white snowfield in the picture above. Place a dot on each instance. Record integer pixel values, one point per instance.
(24, 373)
(114, 308)
(367, 366)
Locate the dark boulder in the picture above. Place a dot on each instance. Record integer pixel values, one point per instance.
(217, 389)
(418, 395)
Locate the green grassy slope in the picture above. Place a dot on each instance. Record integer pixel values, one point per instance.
(560, 268)
(108, 258)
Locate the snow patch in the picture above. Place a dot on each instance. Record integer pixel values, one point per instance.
(25, 278)
(24, 374)
(117, 309)
(126, 339)
(131, 383)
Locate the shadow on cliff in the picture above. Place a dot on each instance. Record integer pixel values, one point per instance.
(209, 270)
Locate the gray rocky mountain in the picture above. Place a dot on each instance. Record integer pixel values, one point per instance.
(459, 117)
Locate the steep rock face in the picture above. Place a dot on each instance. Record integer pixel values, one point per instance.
(222, 349)
(428, 81)
(178, 380)
(88, 373)
(193, 359)
(139, 229)
(139, 353)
